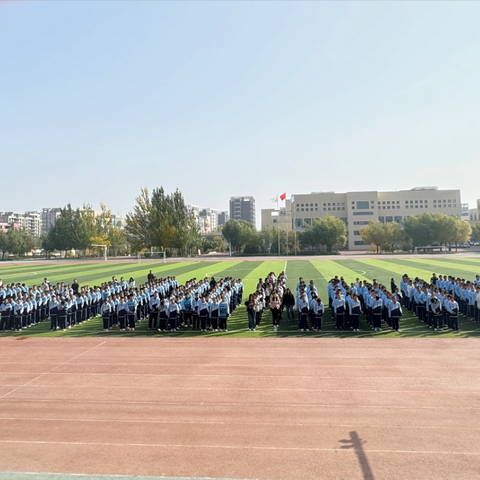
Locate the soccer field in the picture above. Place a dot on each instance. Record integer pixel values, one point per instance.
(320, 270)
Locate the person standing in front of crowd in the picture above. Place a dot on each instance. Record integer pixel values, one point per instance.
(394, 313)
(377, 309)
(303, 310)
(288, 303)
(223, 313)
(250, 304)
(122, 313)
(106, 310)
(355, 308)
(154, 306)
(131, 309)
(275, 308)
(318, 311)
(452, 308)
(5, 312)
(173, 313)
(338, 305)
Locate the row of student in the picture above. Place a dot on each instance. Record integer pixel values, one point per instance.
(199, 305)
(439, 302)
(23, 307)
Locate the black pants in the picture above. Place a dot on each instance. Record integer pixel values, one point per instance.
(377, 320)
(196, 321)
(437, 321)
(303, 324)
(223, 323)
(339, 321)
(276, 312)
(163, 321)
(395, 323)
(106, 320)
(355, 320)
(62, 321)
(454, 322)
(5, 320)
(53, 320)
(131, 320)
(203, 322)
(122, 320)
(18, 322)
(215, 321)
(152, 320)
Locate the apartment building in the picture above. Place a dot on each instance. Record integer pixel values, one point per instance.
(30, 221)
(243, 208)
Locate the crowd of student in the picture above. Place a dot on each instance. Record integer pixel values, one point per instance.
(438, 303)
(168, 306)
(206, 305)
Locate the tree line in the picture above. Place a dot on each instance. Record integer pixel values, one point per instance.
(421, 230)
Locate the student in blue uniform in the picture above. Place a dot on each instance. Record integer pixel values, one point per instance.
(303, 310)
(377, 308)
(338, 305)
(62, 315)
(5, 311)
(163, 312)
(223, 313)
(122, 313)
(18, 313)
(355, 308)
(154, 307)
(173, 314)
(318, 311)
(131, 309)
(394, 313)
(203, 309)
(106, 310)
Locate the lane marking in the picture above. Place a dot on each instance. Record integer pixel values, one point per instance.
(227, 404)
(233, 447)
(203, 422)
(250, 389)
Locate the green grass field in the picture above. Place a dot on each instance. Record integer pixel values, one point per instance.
(319, 270)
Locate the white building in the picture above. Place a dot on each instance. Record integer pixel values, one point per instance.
(474, 213)
(356, 209)
(30, 221)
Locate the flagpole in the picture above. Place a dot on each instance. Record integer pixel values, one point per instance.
(286, 229)
(278, 225)
(294, 230)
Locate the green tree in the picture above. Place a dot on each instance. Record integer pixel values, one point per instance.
(476, 232)
(375, 233)
(463, 231)
(326, 231)
(239, 234)
(395, 236)
(422, 230)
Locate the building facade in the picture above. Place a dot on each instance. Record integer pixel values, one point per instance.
(30, 221)
(243, 208)
(356, 209)
(49, 217)
(223, 218)
(474, 213)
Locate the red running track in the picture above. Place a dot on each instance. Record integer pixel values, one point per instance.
(277, 409)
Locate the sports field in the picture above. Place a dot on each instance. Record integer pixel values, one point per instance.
(208, 406)
(320, 270)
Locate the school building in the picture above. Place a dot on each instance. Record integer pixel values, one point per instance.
(356, 209)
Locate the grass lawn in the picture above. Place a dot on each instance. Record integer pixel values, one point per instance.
(319, 270)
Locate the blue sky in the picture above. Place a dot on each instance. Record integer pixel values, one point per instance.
(99, 99)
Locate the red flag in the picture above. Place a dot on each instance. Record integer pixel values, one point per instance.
(283, 196)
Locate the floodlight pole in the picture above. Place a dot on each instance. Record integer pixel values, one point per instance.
(105, 250)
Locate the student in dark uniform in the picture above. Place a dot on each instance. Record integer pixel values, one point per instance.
(17, 314)
(5, 311)
(338, 305)
(395, 312)
(154, 306)
(203, 309)
(318, 310)
(131, 309)
(122, 314)
(53, 312)
(377, 309)
(62, 315)
(355, 308)
(106, 311)
(163, 315)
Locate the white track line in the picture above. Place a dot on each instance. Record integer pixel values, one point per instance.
(233, 447)
(212, 405)
(202, 422)
(53, 368)
(250, 389)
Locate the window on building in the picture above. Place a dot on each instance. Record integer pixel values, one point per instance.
(343, 208)
(316, 209)
(358, 242)
(416, 201)
(360, 223)
(397, 219)
(316, 204)
(324, 209)
(388, 202)
(303, 209)
(381, 219)
(363, 205)
(434, 201)
(362, 213)
(421, 201)
(302, 205)
(389, 219)
(329, 209)
(274, 220)
(308, 221)
(356, 232)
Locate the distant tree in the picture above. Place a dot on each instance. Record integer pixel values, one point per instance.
(239, 233)
(326, 231)
(421, 229)
(476, 232)
(376, 234)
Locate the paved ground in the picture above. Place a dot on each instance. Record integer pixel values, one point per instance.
(270, 409)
